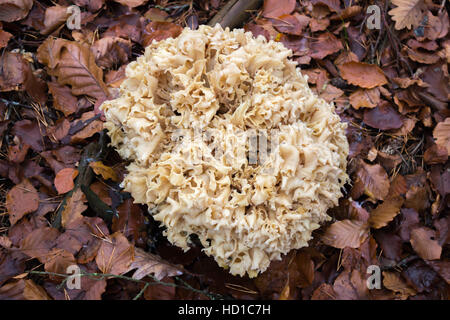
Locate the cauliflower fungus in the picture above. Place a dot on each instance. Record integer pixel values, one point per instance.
(228, 84)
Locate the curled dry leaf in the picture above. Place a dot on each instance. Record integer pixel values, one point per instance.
(55, 16)
(13, 10)
(346, 233)
(147, 263)
(394, 282)
(385, 212)
(407, 13)
(442, 134)
(115, 254)
(362, 74)
(424, 243)
(64, 180)
(21, 200)
(74, 64)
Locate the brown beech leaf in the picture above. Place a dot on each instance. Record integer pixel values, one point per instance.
(346, 233)
(147, 263)
(276, 8)
(394, 282)
(115, 255)
(74, 64)
(21, 200)
(64, 180)
(424, 243)
(55, 16)
(111, 51)
(106, 172)
(325, 45)
(39, 243)
(365, 98)
(58, 260)
(330, 93)
(90, 126)
(435, 154)
(131, 3)
(373, 179)
(159, 31)
(442, 134)
(13, 10)
(63, 99)
(4, 38)
(385, 212)
(383, 117)
(407, 13)
(291, 24)
(362, 74)
(71, 215)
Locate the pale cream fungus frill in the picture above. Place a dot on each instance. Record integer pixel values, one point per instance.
(244, 214)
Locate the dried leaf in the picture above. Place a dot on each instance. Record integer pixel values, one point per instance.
(424, 243)
(71, 215)
(103, 170)
(385, 212)
(39, 243)
(393, 282)
(159, 31)
(64, 180)
(147, 263)
(115, 255)
(383, 117)
(74, 64)
(325, 45)
(346, 233)
(407, 13)
(55, 16)
(13, 10)
(365, 98)
(21, 200)
(442, 134)
(276, 8)
(373, 179)
(362, 74)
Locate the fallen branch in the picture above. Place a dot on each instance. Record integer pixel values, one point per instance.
(234, 13)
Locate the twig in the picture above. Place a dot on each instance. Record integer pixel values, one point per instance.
(234, 13)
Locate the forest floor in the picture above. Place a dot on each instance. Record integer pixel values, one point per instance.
(60, 200)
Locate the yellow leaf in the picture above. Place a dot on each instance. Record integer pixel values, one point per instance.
(105, 171)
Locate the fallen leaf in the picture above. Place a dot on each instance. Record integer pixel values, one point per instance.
(13, 10)
(71, 215)
(159, 31)
(115, 255)
(325, 45)
(442, 134)
(373, 180)
(146, 263)
(21, 200)
(103, 170)
(435, 154)
(64, 180)
(55, 16)
(131, 3)
(407, 13)
(383, 117)
(39, 243)
(4, 38)
(362, 74)
(74, 64)
(365, 98)
(394, 282)
(291, 24)
(423, 242)
(111, 51)
(346, 233)
(385, 212)
(29, 133)
(276, 8)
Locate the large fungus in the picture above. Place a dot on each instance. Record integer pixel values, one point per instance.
(245, 214)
